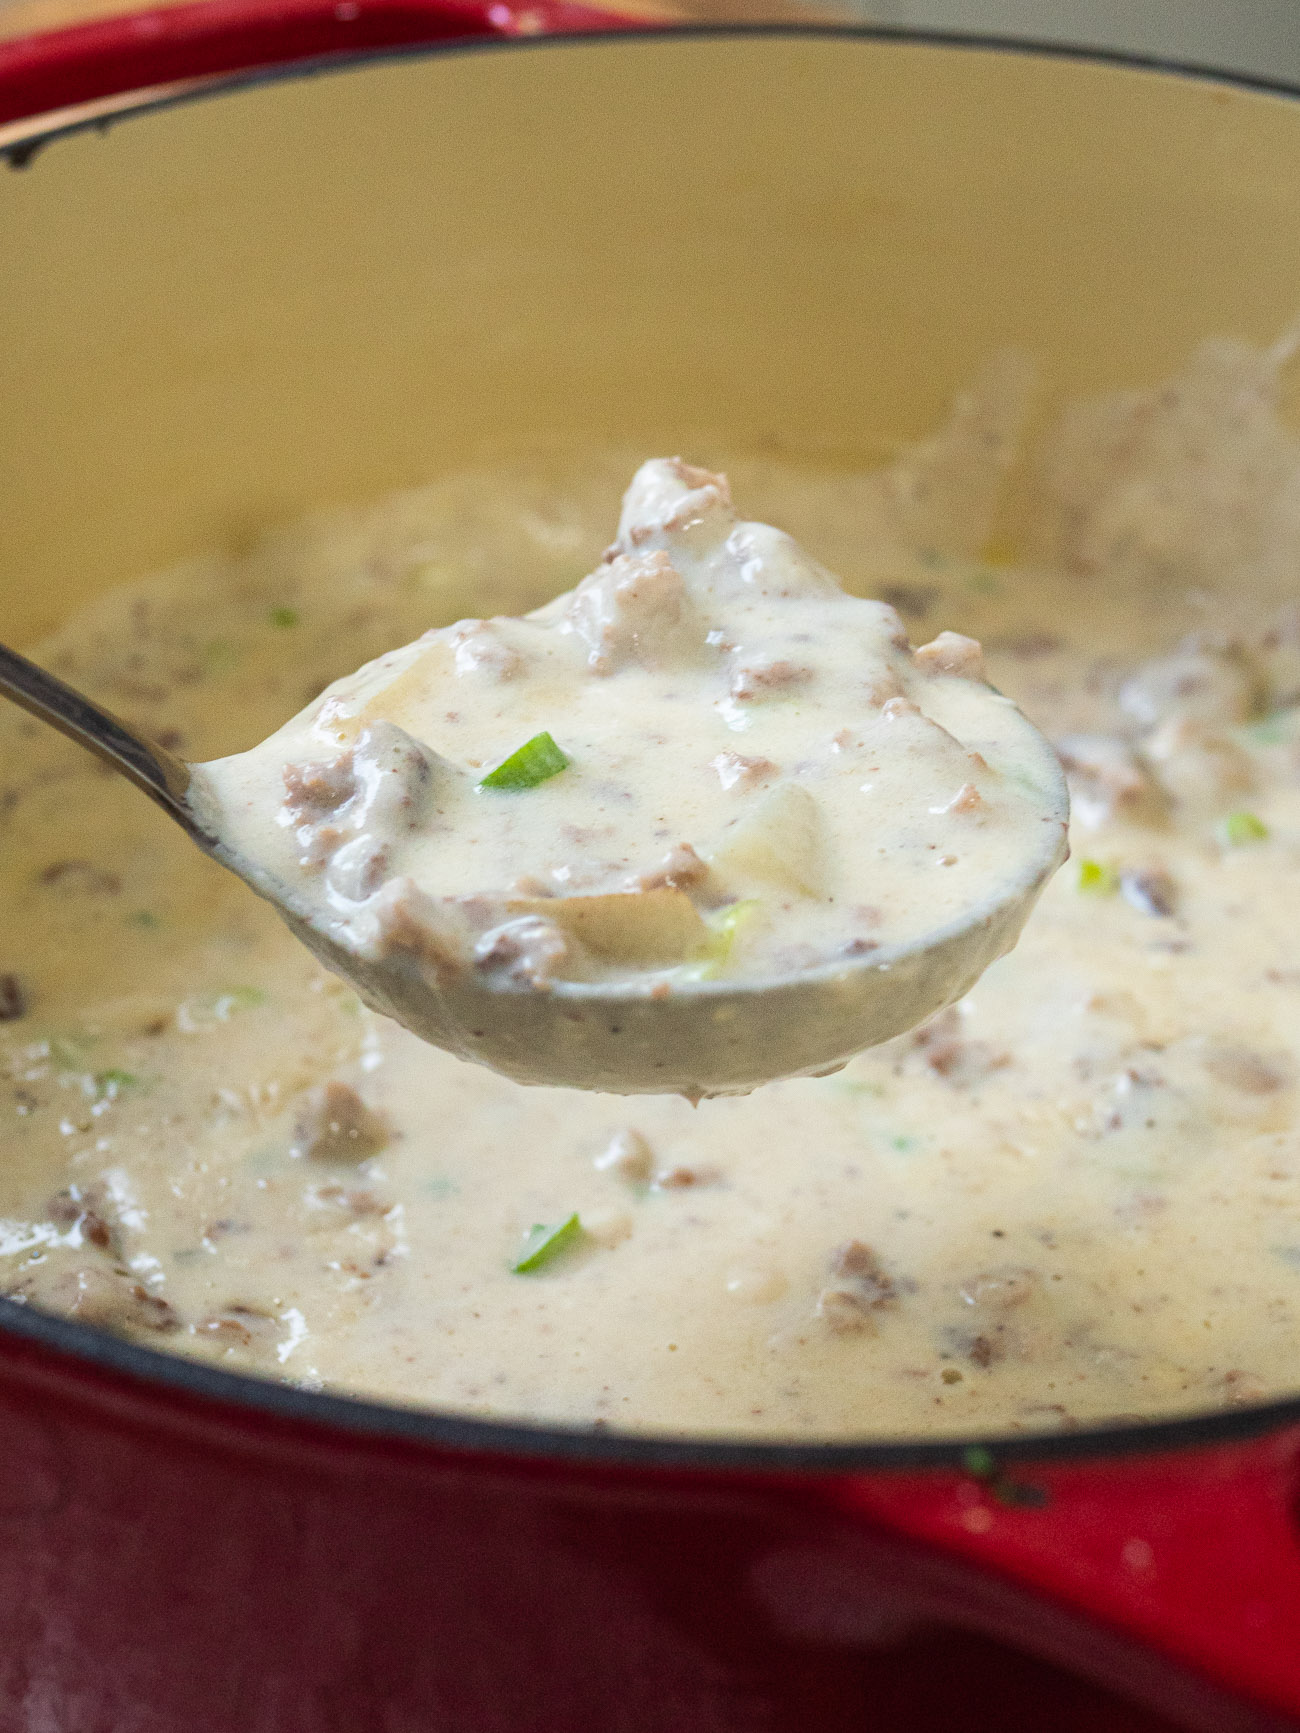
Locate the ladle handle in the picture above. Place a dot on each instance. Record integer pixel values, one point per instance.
(150, 767)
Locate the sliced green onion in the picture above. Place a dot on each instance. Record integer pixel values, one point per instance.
(725, 927)
(111, 1083)
(537, 760)
(1239, 828)
(284, 617)
(1275, 729)
(1097, 879)
(545, 1243)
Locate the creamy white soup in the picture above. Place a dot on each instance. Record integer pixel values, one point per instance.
(1074, 1195)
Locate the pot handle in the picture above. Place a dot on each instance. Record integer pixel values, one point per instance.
(1192, 1555)
(210, 39)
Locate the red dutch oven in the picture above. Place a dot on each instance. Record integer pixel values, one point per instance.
(305, 288)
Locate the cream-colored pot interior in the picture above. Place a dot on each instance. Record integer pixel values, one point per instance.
(218, 315)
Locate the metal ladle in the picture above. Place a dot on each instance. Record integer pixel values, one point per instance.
(709, 1037)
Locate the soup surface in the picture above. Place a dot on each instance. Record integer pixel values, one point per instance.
(1074, 1196)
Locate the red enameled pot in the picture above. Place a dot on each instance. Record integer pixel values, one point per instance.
(299, 289)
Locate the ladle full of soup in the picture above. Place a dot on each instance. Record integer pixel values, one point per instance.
(705, 821)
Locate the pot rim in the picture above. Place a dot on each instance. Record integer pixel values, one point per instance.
(361, 1417)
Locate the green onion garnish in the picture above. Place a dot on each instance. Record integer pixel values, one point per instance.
(1097, 879)
(545, 1243)
(111, 1083)
(284, 618)
(1239, 828)
(537, 760)
(724, 928)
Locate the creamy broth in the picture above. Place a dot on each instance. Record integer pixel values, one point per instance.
(1075, 1195)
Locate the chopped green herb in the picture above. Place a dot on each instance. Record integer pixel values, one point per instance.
(545, 1243)
(902, 1143)
(537, 760)
(1273, 730)
(978, 1461)
(1097, 879)
(725, 927)
(284, 617)
(984, 584)
(110, 1084)
(144, 918)
(70, 1051)
(1240, 828)
(440, 1187)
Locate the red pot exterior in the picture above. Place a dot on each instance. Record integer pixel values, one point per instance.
(173, 1563)
(213, 38)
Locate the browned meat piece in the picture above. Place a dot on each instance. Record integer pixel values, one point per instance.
(860, 1287)
(680, 870)
(80, 878)
(1105, 778)
(913, 601)
(409, 923)
(1150, 890)
(13, 1000)
(950, 1055)
(528, 950)
(991, 1296)
(384, 783)
(692, 476)
(351, 1201)
(967, 799)
(334, 1124)
(310, 790)
(951, 653)
(481, 649)
(240, 1327)
(736, 771)
(1251, 1072)
(96, 1294)
(629, 1156)
(681, 1178)
(757, 676)
(92, 1213)
(626, 610)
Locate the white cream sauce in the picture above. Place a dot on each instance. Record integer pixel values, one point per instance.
(706, 762)
(1075, 1195)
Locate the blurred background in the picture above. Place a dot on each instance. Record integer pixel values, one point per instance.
(1260, 37)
